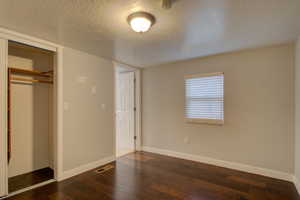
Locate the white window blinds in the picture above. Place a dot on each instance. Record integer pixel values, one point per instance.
(205, 98)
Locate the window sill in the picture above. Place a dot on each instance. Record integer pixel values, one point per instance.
(205, 121)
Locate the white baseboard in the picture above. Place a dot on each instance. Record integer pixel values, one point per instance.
(297, 184)
(124, 152)
(222, 163)
(81, 169)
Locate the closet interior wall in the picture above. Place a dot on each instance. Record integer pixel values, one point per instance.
(31, 112)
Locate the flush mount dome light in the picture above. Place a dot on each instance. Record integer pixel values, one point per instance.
(141, 21)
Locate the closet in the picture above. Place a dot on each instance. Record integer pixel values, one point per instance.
(29, 115)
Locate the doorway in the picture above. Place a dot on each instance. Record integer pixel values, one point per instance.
(30, 116)
(31, 113)
(125, 109)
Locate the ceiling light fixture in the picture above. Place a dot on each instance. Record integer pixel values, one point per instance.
(141, 21)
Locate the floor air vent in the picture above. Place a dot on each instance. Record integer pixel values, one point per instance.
(104, 169)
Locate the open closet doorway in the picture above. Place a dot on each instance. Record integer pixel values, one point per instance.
(30, 116)
(126, 110)
(31, 120)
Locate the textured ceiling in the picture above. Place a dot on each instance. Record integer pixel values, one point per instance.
(191, 28)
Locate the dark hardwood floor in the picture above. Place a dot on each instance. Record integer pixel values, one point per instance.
(147, 176)
(25, 180)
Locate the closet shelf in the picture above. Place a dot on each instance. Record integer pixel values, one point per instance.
(30, 72)
(30, 80)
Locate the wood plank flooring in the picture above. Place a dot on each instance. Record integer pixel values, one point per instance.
(25, 180)
(147, 176)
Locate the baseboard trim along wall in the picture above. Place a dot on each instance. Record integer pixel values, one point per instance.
(221, 163)
(297, 184)
(123, 153)
(84, 168)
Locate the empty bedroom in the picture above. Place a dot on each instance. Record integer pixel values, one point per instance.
(150, 100)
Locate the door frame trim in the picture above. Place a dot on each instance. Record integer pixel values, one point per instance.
(3, 118)
(7, 35)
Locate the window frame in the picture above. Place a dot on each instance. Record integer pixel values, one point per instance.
(203, 120)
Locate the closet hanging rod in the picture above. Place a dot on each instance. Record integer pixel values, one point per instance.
(30, 80)
(30, 72)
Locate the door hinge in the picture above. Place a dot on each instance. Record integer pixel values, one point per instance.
(134, 108)
(134, 137)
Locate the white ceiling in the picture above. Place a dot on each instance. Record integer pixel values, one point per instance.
(191, 28)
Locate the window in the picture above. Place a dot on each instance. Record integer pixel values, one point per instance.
(204, 95)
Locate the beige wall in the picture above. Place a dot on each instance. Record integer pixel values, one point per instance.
(259, 99)
(31, 133)
(297, 112)
(88, 133)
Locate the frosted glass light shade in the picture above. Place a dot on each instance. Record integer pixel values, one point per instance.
(141, 21)
(140, 24)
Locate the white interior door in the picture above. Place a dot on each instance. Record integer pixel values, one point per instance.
(3, 117)
(125, 123)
